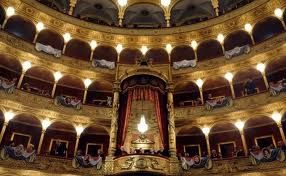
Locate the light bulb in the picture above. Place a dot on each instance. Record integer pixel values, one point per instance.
(93, 44)
(40, 26)
(26, 65)
(194, 45)
(200, 83)
(10, 11)
(67, 37)
(169, 48)
(87, 83)
(248, 27)
(58, 75)
(119, 48)
(165, 3)
(122, 2)
(144, 50)
(220, 38)
(228, 76)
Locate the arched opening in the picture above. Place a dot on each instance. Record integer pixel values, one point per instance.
(182, 52)
(23, 129)
(209, 49)
(51, 38)
(237, 39)
(102, 12)
(225, 6)
(187, 94)
(105, 52)
(100, 94)
(39, 81)
(27, 31)
(216, 87)
(187, 12)
(94, 138)
(2, 15)
(276, 70)
(144, 15)
(70, 86)
(59, 5)
(10, 68)
(59, 140)
(225, 140)
(266, 29)
(130, 55)
(191, 141)
(157, 56)
(261, 131)
(248, 82)
(78, 49)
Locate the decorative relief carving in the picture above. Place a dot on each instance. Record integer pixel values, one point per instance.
(142, 163)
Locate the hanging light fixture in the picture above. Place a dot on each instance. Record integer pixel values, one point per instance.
(142, 126)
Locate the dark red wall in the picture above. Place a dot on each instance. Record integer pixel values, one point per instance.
(93, 138)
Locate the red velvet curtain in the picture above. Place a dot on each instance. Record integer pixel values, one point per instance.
(144, 94)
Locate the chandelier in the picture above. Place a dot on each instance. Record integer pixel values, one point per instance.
(142, 126)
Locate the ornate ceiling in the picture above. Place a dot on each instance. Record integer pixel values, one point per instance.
(145, 13)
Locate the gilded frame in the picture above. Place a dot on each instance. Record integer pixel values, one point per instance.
(60, 140)
(90, 144)
(266, 136)
(21, 134)
(194, 145)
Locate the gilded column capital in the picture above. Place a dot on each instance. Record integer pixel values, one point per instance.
(170, 87)
(116, 87)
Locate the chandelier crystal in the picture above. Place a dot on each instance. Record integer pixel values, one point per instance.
(142, 126)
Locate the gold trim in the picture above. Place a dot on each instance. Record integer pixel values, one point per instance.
(22, 134)
(263, 137)
(193, 145)
(60, 140)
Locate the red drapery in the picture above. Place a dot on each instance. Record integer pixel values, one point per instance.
(144, 94)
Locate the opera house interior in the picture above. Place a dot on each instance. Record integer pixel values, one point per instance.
(142, 87)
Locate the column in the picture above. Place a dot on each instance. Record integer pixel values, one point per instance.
(114, 120)
(84, 96)
(252, 39)
(3, 131)
(216, 7)
(245, 149)
(201, 95)
(120, 17)
(265, 80)
(72, 6)
(167, 18)
(232, 89)
(76, 145)
(208, 144)
(41, 141)
(282, 132)
(171, 122)
(54, 89)
(21, 79)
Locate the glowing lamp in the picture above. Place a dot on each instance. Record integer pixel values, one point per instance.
(79, 129)
(26, 65)
(248, 28)
(260, 67)
(278, 13)
(144, 50)
(276, 116)
(122, 2)
(165, 3)
(239, 125)
(8, 116)
(87, 82)
(206, 130)
(228, 76)
(200, 83)
(220, 38)
(40, 26)
(58, 75)
(46, 123)
(194, 44)
(142, 126)
(67, 37)
(93, 44)
(10, 11)
(119, 48)
(169, 48)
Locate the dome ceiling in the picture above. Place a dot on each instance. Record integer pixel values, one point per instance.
(145, 13)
